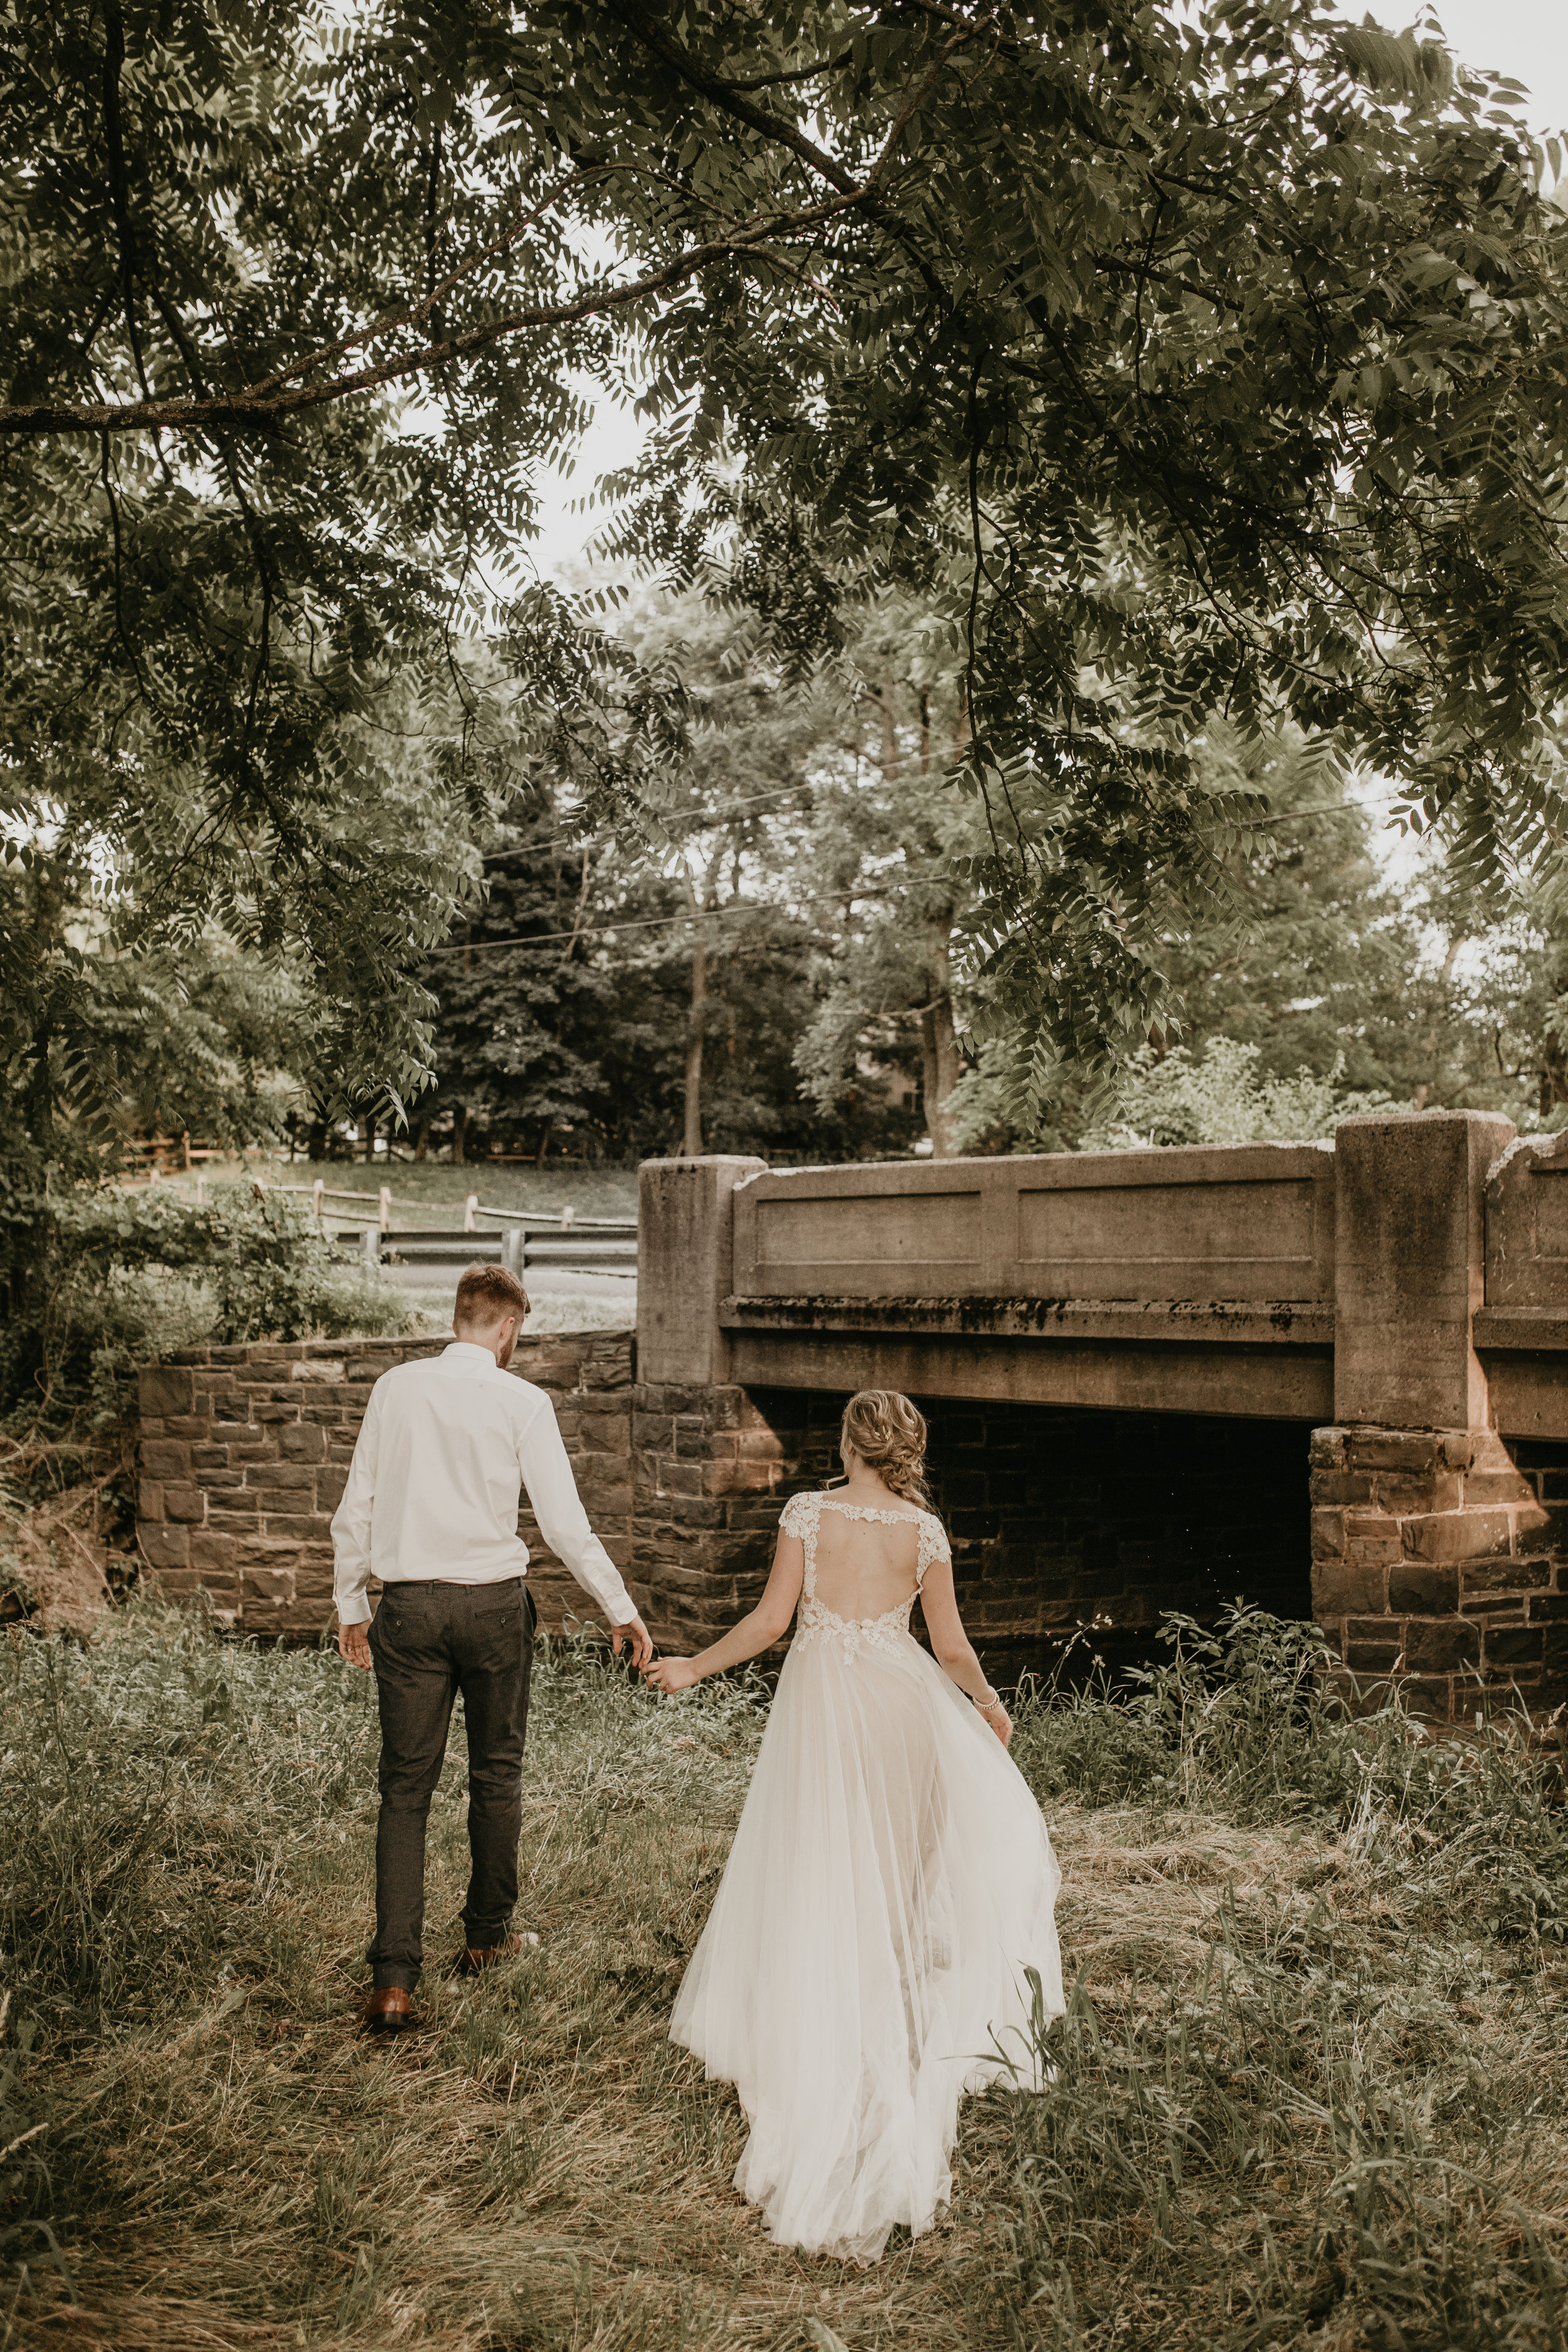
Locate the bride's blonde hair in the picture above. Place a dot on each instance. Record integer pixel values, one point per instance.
(888, 1434)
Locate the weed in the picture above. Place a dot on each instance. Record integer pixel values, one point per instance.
(1307, 2094)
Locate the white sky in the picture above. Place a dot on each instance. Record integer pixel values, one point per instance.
(1526, 39)
(612, 439)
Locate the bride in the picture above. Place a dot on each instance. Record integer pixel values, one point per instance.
(892, 1878)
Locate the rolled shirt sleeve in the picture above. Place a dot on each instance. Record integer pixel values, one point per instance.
(562, 1522)
(351, 1524)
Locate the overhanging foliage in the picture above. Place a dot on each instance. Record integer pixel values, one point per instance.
(1184, 371)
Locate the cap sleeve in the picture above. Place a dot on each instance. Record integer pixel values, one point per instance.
(934, 1545)
(794, 1520)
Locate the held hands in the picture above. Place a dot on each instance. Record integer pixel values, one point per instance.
(671, 1675)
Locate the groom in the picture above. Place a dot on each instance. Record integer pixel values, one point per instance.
(430, 1507)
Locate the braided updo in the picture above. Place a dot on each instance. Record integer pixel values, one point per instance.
(888, 1434)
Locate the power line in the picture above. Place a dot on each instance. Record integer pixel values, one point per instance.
(773, 905)
(660, 922)
(674, 816)
(788, 792)
(1319, 808)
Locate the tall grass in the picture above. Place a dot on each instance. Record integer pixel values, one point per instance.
(1308, 2091)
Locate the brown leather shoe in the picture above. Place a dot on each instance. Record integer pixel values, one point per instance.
(485, 1956)
(389, 2010)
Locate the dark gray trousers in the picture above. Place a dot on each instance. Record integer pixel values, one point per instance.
(428, 1642)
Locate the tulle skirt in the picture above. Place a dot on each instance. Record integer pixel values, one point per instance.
(864, 1963)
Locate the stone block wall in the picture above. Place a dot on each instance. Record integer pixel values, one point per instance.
(1067, 1527)
(245, 1451)
(1437, 1556)
(710, 1474)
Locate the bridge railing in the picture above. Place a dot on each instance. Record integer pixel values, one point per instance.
(1252, 1221)
(1380, 1278)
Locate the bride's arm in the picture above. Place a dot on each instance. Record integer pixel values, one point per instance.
(768, 1622)
(952, 1650)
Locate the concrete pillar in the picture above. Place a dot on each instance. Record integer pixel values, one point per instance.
(1422, 1528)
(685, 1225)
(1410, 1267)
(706, 1465)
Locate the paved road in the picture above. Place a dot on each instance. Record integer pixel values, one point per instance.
(542, 1281)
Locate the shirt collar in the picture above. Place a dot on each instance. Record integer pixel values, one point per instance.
(468, 1352)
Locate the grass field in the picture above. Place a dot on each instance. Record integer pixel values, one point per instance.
(424, 1185)
(605, 1309)
(1312, 2089)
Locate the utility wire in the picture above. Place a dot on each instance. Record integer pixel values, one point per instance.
(671, 817)
(787, 792)
(773, 905)
(661, 922)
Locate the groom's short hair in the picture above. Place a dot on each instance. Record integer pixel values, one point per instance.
(485, 1294)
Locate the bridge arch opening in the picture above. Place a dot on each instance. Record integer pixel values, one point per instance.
(1073, 1531)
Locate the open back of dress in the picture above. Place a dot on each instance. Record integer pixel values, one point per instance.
(890, 1881)
(861, 1565)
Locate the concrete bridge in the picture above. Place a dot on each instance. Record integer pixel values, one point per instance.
(1332, 1379)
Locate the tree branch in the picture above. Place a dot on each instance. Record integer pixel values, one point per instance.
(797, 73)
(729, 97)
(261, 408)
(429, 307)
(118, 184)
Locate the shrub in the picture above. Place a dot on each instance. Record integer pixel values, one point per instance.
(104, 1280)
(1245, 1709)
(1222, 1095)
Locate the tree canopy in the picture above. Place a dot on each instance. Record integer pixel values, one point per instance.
(1181, 369)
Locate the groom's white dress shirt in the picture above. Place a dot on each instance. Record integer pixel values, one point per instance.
(446, 1447)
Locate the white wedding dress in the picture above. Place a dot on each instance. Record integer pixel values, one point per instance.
(863, 1966)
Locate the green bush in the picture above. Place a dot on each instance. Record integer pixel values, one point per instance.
(101, 1281)
(1246, 1708)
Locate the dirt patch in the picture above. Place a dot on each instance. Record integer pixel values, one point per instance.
(55, 1564)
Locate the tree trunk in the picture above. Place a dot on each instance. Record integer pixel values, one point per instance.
(316, 1139)
(692, 1145)
(422, 1140)
(459, 1130)
(1552, 1087)
(40, 1094)
(939, 1046)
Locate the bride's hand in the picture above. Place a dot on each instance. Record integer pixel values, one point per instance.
(671, 1675)
(1000, 1721)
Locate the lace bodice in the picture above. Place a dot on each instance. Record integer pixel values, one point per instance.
(818, 1623)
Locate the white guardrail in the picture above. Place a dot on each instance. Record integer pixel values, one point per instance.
(527, 1236)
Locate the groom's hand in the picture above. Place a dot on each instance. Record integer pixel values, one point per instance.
(353, 1642)
(633, 1631)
